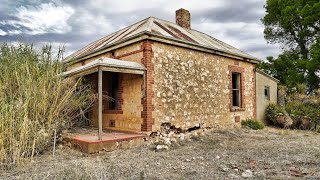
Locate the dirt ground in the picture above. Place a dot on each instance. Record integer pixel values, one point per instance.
(222, 154)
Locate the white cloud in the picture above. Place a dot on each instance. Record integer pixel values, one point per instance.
(245, 36)
(127, 6)
(81, 22)
(2, 33)
(89, 23)
(45, 18)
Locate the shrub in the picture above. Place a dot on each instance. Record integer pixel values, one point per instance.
(305, 112)
(302, 110)
(272, 112)
(253, 124)
(34, 100)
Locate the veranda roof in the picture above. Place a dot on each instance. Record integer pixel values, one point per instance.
(107, 64)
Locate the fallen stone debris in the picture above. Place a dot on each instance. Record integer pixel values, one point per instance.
(169, 135)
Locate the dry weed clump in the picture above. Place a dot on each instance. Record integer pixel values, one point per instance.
(299, 111)
(34, 100)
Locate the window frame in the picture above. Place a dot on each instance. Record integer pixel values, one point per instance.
(233, 69)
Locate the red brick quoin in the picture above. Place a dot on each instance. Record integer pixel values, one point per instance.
(146, 101)
(254, 93)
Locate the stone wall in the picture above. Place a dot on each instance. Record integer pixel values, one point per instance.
(192, 88)
(184, 87)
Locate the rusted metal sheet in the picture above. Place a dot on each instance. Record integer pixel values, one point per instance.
(162, 28)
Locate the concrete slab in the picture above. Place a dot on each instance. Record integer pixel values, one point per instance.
(89, 143)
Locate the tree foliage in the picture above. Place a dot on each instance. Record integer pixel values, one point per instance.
(287, 68)
(295, 25)
(314, 66)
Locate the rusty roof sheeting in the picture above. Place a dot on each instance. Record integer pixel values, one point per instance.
(162, 28)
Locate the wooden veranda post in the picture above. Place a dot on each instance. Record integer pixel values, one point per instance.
(100, 102)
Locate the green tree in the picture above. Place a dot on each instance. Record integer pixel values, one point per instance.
(287, 68)
(295, 25)
(292, 23)
(314, 66)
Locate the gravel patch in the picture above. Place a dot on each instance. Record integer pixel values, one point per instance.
(220, 154)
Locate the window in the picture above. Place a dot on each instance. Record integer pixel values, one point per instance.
(267, 92)
(114, 91)
(236, 90)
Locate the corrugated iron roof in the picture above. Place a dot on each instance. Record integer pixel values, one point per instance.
(106, 62)
(160, 28)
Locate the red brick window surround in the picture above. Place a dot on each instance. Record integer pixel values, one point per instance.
(236, 88)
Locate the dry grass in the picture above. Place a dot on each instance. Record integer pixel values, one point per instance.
(34, 101)
(268, 153)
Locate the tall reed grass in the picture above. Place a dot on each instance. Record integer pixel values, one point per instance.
(34, 100)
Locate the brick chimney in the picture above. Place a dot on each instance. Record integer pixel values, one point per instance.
(183, 18)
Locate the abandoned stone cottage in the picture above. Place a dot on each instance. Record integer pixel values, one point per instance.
(160, 72)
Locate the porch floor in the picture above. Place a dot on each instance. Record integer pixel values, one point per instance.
(86, 139)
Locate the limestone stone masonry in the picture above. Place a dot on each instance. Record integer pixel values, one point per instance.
(184, 88)
(192, 88)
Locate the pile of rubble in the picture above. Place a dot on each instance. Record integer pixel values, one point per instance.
(169, 135)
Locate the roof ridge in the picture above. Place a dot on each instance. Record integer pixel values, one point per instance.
(148, 21)
(87, 46)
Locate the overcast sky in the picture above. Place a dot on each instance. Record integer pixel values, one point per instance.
(75, 23)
